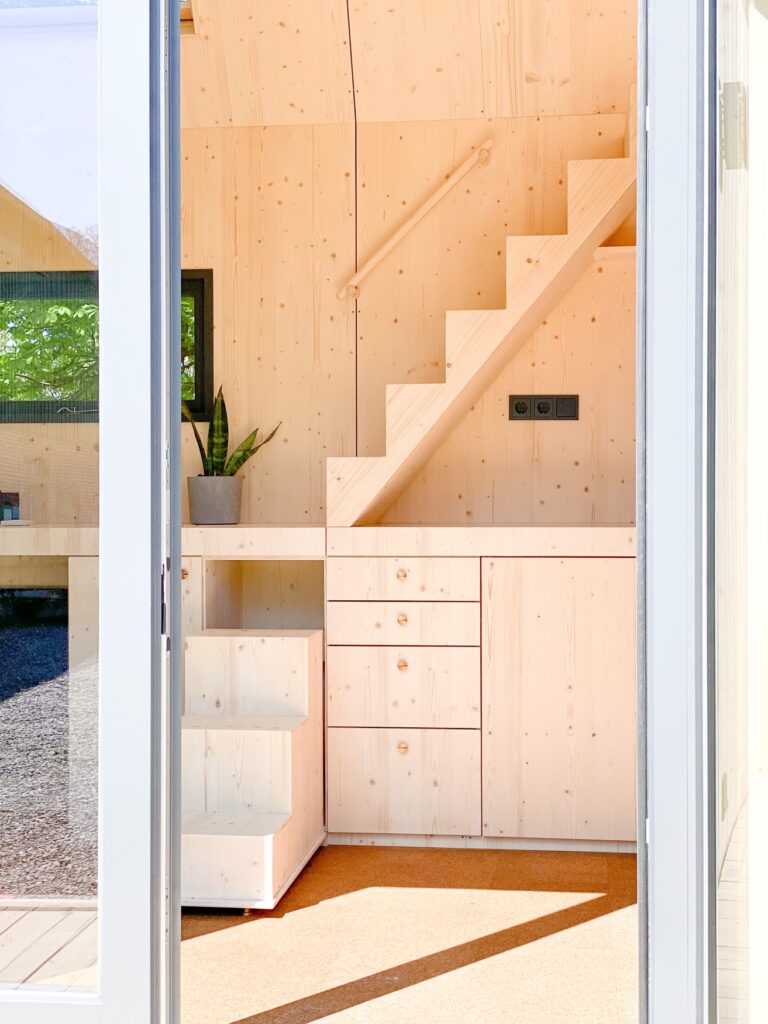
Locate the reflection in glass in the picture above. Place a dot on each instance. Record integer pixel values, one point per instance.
(739, 844)
(49, 323)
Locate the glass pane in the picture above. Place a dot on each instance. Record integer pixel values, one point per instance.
(49, 323)
(740, 779)
(188, 347)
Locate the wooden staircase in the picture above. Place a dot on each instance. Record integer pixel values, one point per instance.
(540, 270)
(252, 764)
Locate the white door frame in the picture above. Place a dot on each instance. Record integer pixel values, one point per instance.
(671, 514)
(134, 492)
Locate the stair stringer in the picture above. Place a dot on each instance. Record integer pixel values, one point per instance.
(479, 343)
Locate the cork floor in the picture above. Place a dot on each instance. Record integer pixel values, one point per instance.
(377, 936)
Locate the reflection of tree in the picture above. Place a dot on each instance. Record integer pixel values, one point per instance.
(49, 349)
(187, 348)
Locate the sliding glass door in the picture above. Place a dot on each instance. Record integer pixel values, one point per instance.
(704, 500)
(85, 506)
(738, 499)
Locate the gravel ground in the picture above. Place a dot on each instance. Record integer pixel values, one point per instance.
(47, 790)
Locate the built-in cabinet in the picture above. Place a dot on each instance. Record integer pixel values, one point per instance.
(505, 683)
(478, 682)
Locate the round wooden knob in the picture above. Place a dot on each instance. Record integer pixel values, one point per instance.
(402, 619)
(402, 665)
(402, 574)
(402, 748)
(185, 574)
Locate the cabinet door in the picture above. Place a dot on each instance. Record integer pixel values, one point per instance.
(404, 781)
(559, 695)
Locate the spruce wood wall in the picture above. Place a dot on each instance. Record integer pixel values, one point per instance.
(491, 471)
(310, 130)
(271, 212)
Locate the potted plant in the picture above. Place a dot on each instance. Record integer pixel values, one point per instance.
(214, 496)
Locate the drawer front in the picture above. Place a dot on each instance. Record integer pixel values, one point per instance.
(408, 781)
(419, 687)
(403, 579)
(407, 623)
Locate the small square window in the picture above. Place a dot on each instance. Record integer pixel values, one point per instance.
(197, 342)
(49, 346)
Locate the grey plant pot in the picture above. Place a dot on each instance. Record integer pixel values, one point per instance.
(214, 500)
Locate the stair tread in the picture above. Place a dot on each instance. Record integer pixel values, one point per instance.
(618, 252)
(244, 723)
(235, 823)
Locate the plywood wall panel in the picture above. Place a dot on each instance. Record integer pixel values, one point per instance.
(283, 595)
(275, 62)
(55, 469)
(455, 258)
(419, 60)
(282, 62)
(491, 470)
(271, 212)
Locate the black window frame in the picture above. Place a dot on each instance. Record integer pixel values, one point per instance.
(199, 284)
(84, 285)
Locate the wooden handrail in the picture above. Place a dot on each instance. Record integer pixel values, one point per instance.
(479, 156)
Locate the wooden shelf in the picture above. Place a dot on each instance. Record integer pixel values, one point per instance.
(284, 543)
(259, 634)
(309, 543)
(243, 723)
(49, 540)
(483, 541)
(238, 823)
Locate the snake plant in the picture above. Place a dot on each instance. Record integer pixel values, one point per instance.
(214, 457)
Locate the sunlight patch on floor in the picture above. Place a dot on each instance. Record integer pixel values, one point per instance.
(231, 974)
(584, 975)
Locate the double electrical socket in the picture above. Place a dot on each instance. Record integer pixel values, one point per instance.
(543, 407)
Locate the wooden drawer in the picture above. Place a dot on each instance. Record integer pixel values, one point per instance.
(403, 579)
(408, 781)
(419, 687)
(430, 624)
